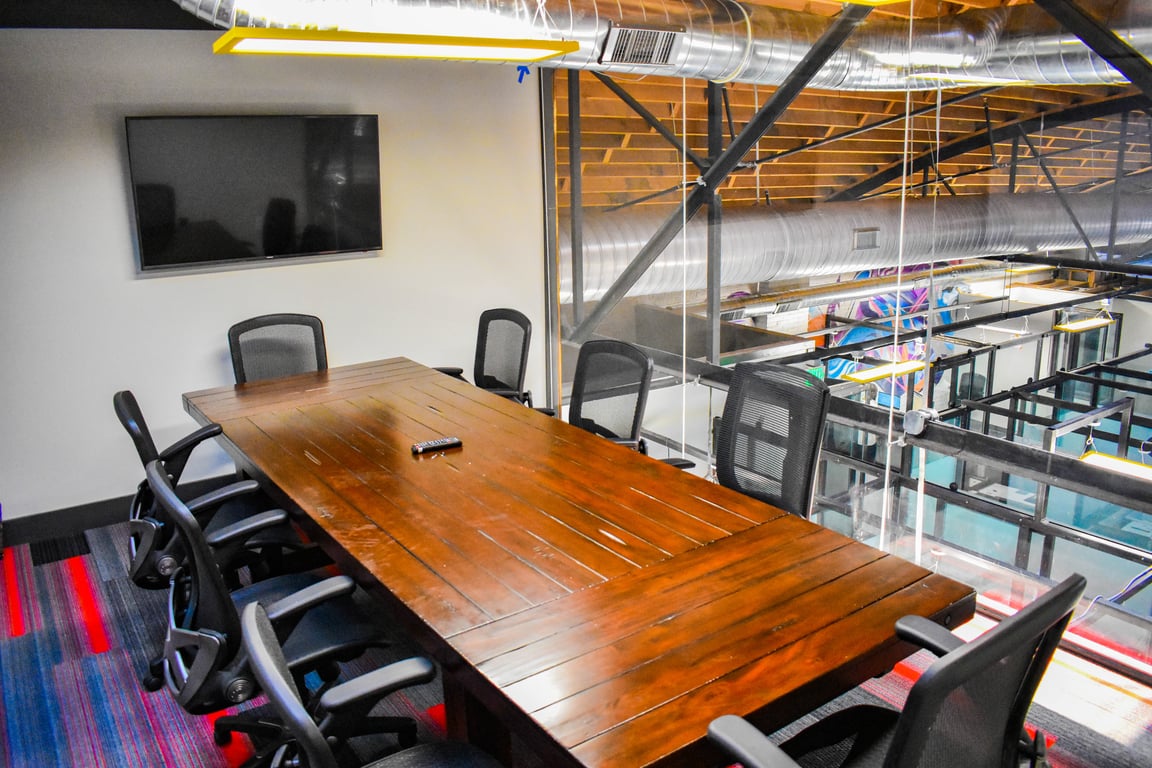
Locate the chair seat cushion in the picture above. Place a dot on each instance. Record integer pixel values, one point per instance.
(856, 736)
(314, 639)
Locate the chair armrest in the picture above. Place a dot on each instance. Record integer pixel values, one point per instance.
(363, 692)
(679, 463)
(451, 370)
(242, 530)
(298, 602)
(175, 456)
(927, 634)
(546, 411)
(747, 744)
(218, 496)
(627, 443)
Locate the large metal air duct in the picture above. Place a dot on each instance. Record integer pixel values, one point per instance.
(723, 40)
(762, 244)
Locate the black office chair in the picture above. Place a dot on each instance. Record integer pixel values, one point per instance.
(610, 392)
(154, 549)
(270, 346)
(203, 664)
(966, 711)
(770, 434)
(502, 342)
(342, 711)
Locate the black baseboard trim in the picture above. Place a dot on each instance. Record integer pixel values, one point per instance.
(82, 517)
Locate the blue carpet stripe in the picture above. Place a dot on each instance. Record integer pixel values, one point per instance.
(34, 736)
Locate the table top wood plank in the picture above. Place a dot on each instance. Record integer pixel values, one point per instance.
(575, 451)
(645, 670)
(496, 480)
(493, 579)
(538, 557)
(270, 394)
(772, 688)
(578, 625)
(436, 600)
(606, 604)
(505, 458)
(708, 611)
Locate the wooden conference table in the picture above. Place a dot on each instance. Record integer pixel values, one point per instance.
(601, 605)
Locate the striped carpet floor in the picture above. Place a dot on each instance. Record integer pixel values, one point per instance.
(75, 636)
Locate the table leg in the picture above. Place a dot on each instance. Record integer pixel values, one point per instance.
(470, 721)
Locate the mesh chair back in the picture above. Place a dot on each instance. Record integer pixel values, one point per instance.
(271, 346)
(502, 350)
(270, 667)
(770, 434)
(969, 707)
(610, 389)
(204, 628)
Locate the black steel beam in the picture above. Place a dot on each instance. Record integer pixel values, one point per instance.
(716, 99)
(653, 121)
(576, 193)
(1114, 50)
(878, 124)
(977, 139)
(1060, 196)
(717, 172)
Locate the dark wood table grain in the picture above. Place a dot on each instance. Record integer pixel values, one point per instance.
(599, 604)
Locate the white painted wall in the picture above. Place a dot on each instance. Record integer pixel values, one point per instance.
(460, 156)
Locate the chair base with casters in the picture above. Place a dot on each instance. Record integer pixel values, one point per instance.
(967, 710)
(308, 736)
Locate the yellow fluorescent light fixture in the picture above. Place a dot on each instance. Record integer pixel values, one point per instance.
(1117, 464)
(1027, 269)
(866, 375)
(328, 42)
(1087, 324)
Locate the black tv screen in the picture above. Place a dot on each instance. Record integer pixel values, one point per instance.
(233, 189)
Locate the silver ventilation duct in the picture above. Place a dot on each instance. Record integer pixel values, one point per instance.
(723, 40)
(762, 244)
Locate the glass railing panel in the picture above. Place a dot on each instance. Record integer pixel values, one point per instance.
(973, 532)
(1108, 521)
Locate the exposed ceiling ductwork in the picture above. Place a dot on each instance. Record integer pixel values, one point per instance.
(722, 40)
(763, 244)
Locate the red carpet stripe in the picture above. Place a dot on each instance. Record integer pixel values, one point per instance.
(85, 595)
(12, 595)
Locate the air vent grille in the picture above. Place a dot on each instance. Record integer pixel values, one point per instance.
(627, 45)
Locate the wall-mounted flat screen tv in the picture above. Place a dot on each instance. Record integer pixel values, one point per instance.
(212, 190)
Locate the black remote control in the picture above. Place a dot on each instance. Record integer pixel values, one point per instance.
(428, 446)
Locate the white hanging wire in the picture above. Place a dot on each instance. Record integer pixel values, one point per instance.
(922, 452)
(684, 267)
(889, 442)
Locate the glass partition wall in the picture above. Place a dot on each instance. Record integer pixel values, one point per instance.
(857, 229)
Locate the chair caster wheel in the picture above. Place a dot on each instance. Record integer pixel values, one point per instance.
(222, 738)
(152, 683)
